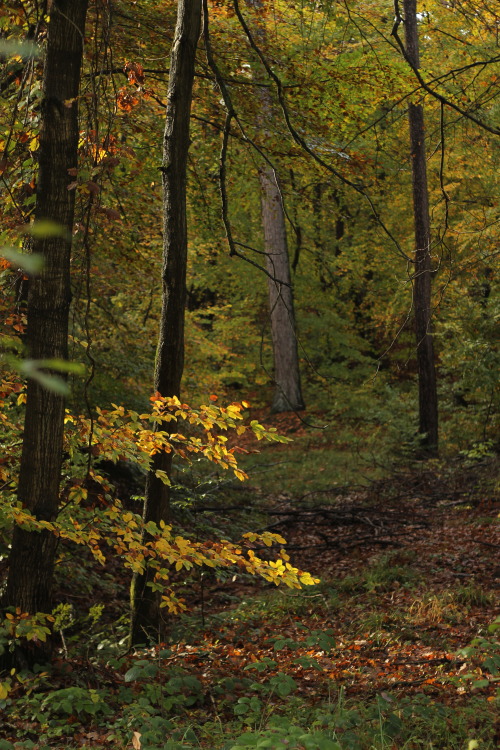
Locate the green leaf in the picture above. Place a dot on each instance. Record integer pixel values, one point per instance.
(134, 673)
(49, 382)
(280, 643)
(61, 365)
(32, 264)
(492, 664)
(45, 228)
(35, 369)
(324, 743)
(11, 48)
(480, 683)
(308, 662)
(323, 640)
(283, 684)
(240, 709)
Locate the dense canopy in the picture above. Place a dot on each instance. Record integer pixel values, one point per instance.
(215, 212)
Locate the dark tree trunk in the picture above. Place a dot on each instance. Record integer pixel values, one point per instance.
(427, 392)
(288, 393)
(146, 616)
(31, 561)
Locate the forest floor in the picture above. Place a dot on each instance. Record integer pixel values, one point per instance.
(395, 648)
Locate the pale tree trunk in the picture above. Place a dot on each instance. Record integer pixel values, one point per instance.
(146, 615)
(31, 562)
(288, 390)
(288, 393)
(422, 293)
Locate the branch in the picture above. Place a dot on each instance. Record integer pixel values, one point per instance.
(230, 115)
(425, 85)
(301, 141)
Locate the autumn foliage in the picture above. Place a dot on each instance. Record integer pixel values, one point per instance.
(333, 591)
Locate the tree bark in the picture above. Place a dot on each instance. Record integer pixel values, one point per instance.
(288, 389)
(146, 615)
(288, 392)
(31, 562)
(422, 293)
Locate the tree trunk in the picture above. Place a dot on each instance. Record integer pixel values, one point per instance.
(31, 561)
(427, 392)
(288, 390)
(146, 619)
(288, 393)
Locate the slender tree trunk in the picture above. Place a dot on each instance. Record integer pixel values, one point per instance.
(427, 392)
(146, 619)
(288, 389)
(31, 561)
(288, 393)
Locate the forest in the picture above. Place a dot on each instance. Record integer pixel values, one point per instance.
(249, 374)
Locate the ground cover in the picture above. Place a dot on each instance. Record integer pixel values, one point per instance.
(397, 646)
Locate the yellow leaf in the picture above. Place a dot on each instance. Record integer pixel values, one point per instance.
(4, 690)
(77, 494)
(308, 580)
(163, 476)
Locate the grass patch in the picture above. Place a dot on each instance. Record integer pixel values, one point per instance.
(315, 460)
(384, 573)
(473, 595)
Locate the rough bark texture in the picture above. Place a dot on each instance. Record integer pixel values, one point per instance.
(146, 616)
(288, 393)
(31, 561)
(427, 392)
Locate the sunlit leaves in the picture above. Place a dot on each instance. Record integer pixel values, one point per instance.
(98, 522)
(119, 433)
(126, 100)
(180, 553)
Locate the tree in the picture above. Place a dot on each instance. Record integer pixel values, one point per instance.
(31, 562)
(422, 296)
(170, 352)
(288, 390)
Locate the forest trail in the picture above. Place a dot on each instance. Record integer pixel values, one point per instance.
(409, 569)
(410, 574)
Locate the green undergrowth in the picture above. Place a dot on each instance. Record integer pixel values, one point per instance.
(322, 454)
(161, 708)
(265, 675)
(398, 653)
(171, 712)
